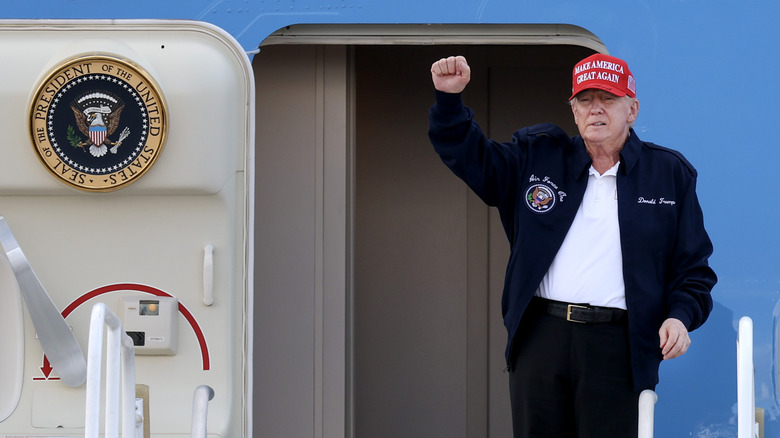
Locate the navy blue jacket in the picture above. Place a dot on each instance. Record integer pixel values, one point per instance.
(537, 181)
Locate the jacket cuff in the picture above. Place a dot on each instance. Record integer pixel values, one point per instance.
(448, 103)
(684, 317)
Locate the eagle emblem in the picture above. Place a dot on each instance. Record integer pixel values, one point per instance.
(539, 198)
(97, 116)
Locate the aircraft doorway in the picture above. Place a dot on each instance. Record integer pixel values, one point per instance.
(378, 273)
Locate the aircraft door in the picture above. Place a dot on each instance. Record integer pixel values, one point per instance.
(124, 179)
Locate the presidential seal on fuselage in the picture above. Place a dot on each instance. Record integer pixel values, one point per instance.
(98, 122)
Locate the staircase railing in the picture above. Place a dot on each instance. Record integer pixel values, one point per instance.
(647, 400)
(746, 396)
(120, 372)
(200, 408)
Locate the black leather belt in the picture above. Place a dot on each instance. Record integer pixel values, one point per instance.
(581, 313)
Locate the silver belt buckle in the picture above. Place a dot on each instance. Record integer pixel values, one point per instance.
(568, 313)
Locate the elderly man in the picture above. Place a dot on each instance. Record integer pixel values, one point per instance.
(608, 269)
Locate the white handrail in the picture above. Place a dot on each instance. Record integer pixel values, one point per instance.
(208, 274)
(200, 408)
(746, 397)
(119, 346)
(57, 340)
(647, 400)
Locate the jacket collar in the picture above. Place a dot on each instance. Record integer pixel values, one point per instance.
(629, 155)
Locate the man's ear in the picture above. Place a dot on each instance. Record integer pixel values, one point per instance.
(633, 110)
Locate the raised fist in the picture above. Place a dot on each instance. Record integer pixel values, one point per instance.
(451, 75)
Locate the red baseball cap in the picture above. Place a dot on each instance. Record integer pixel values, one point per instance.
(603, 72)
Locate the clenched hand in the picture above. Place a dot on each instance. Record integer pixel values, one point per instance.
(451, 75)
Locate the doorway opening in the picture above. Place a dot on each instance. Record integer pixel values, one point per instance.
(378, 274)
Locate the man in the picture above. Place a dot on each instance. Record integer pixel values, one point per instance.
(608, 270)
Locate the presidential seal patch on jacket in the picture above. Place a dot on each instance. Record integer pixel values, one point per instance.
(540, 198)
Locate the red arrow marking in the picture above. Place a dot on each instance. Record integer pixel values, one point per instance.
(46, 368)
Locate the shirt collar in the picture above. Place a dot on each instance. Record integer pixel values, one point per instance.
(612, 171)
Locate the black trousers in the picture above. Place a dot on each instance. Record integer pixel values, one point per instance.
(572, 380)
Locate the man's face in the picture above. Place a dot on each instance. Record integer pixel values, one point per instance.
(602, 117)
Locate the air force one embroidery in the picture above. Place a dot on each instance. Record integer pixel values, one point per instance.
(98, 122)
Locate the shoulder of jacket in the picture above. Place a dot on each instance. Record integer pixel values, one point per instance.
(548, 130)
(671, 154)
